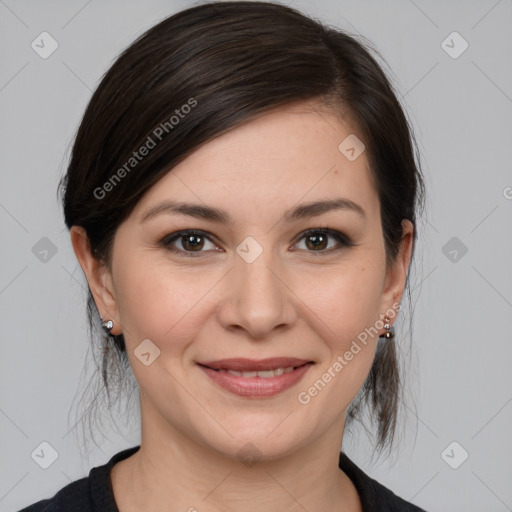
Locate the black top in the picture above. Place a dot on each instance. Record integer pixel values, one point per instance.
(94, 493)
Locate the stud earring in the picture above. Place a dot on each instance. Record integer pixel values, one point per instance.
(390, 331)
(107, 326)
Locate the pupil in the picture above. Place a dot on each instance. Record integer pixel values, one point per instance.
(189, 240)
(319, 238)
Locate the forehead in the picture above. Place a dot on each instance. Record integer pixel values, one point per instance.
(271, 163)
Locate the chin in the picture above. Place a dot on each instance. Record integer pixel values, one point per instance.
(265, 440)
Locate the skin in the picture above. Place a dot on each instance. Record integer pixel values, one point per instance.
(294, 300)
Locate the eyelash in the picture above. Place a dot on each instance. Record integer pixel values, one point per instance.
(343, 240)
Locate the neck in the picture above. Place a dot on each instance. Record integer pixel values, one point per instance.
(170, 468)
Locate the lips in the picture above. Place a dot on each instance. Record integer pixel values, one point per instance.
(250, 378)
(252, 365)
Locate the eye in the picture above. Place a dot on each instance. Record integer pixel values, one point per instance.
(317, 240)
(194, 243)
(188, 242)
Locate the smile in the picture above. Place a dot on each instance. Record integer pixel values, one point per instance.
(264, 374)
(256, 379)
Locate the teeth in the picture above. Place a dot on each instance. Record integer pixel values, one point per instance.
(265, 374)
(243, 374)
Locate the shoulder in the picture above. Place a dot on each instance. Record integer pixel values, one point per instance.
(74, 496)
(374, 496)
(92, 493)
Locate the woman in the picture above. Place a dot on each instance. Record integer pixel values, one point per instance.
(242, 199)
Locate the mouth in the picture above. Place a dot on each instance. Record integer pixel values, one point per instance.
(261, 368)
(251, 378)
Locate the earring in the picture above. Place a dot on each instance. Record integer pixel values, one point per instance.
(107, 326)
(390, 331)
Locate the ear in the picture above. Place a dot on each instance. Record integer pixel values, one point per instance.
(396, 275)
(98, 276)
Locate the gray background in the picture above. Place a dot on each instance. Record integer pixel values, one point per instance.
(459, 372)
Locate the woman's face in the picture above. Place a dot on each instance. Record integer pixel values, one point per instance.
(254, 285)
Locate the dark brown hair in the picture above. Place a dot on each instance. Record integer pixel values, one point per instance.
(231, 62)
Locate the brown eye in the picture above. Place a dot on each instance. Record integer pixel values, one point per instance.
(316, 241)
(192, 242)
(321, 240)
(188, 242)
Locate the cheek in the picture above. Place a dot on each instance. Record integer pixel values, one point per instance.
(347, 304)
(161, 301)
(348, 310)
(167, 305)
(346, 299)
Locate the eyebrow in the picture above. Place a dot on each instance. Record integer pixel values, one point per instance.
(302, 211)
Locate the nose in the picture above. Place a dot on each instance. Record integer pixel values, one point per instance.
(256, 298)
